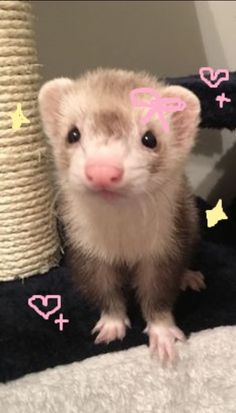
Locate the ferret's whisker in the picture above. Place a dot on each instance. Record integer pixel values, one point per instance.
(83, 148)
(139, 167)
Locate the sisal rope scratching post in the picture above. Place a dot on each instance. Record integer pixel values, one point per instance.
(29, 243)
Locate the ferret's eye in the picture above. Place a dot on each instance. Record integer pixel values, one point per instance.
(149, 140)
(73, 136)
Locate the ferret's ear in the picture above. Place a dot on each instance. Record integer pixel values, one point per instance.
(49, 98)
(184, 123)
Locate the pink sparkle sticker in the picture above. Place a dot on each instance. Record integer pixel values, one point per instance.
(61, 321)
(221, 99)
(156, 105)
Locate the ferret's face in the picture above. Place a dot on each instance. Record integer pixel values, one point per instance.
(101, 147)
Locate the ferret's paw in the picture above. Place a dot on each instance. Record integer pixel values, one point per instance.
(110, 328)
(162, 340)
(194, 280)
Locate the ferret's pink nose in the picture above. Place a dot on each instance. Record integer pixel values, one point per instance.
(103, 175)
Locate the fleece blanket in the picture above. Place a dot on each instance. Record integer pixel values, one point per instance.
(203, 381)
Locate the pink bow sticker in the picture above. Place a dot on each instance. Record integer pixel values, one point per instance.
(44, 300)
(157, 105)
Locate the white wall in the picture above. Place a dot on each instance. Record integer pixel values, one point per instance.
(167, 38)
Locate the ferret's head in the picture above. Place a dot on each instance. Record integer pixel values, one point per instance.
(101, 147)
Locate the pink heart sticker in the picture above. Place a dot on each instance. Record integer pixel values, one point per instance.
(215, 76)
(44, 300)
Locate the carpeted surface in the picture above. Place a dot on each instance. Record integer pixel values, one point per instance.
(202, 381)
(28, 343)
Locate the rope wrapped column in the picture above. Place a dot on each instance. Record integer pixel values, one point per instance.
(29, 242)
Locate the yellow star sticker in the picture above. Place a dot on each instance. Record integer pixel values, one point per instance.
(18, 118)
(215, 214)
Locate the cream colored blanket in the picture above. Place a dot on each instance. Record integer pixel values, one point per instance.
(204, 381)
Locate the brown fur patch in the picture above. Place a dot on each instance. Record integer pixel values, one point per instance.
(110, 123)
(98, 282)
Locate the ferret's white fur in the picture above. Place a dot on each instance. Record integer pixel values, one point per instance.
(110, 328)
(130, 231)
(162, 336)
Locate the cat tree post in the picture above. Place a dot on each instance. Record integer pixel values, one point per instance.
(29, 243)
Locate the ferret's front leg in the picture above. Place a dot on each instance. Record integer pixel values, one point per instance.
(157, 287)
(100, 283)
(113, 322)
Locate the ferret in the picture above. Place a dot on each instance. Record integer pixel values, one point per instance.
(128, 211)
